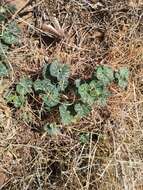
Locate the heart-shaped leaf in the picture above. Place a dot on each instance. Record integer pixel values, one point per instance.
(99, 92)
(82, 110)
(17, 101)
(61, 72)
(83, 91)
(42, 85)
(121, 77)
(65, 115)
(24, 86)
(104, 74)
(93, 92)
(52, 97)
(11, 34)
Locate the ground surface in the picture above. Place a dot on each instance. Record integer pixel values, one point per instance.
(95, 32)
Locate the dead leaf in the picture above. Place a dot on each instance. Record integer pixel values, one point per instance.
(53, 31)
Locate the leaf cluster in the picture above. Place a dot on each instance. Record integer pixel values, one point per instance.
(54, 83)
(9, 35)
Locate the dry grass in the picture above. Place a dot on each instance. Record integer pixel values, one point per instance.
(113, 159)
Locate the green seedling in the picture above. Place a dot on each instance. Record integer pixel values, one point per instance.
(61, 72)
(52, 129)
(121, 77)
(11, 33)
(82, 110)
(104, 74)
(51, 92)
(17, 100)
(24, 86)
(66, 117)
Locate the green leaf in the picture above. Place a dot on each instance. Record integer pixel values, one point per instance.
(84, 138)
(93, 92)
(3, 70)
(88, 93)
(24, 86)
(65, 115)
(122, 83)
(83, 91)
(17, 101)
(61, 72)
(11, 34)
(52, 97)
(102, 100)
(122, 76)
(42, 85)
(13, 28)
(124, 73)
(62, 84)
(9, 38)
(55, 67)
(104, 74)
(52, 129)
(96, 88)
(82, 110)
(99, 92)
